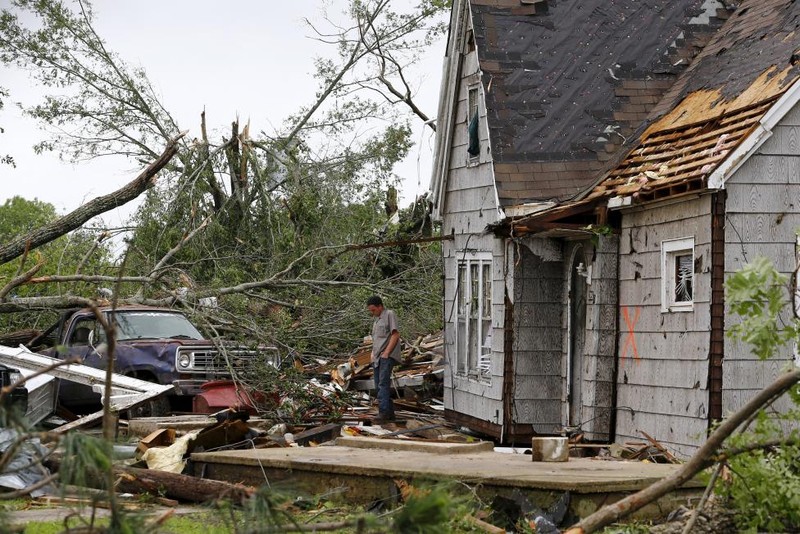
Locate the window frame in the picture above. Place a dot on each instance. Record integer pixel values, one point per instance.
(473, 108)
(671, 250)
(473, 302)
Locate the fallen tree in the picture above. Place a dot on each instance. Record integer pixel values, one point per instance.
(76, 218)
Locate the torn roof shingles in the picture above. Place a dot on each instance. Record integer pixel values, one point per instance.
(556, 78)
(714, 105)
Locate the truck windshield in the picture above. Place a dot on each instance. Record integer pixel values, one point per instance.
(154, 325)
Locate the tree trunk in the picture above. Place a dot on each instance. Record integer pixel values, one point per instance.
(181, 487)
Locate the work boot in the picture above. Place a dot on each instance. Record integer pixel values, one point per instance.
(383, 418)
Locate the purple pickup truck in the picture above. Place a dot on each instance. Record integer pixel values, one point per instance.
(155, 344)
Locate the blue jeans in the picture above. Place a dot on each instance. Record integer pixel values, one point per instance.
(383, 382)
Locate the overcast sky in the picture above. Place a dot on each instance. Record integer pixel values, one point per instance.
(248, 58)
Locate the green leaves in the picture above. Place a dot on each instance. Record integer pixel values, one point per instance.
(757, 294)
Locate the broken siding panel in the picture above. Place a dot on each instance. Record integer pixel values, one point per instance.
(762, 228)
(597, 370)
(478, 203)
(470, 404)
(543, 414)
(669, 432)
(653, 379)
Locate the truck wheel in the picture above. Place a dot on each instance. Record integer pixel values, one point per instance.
(157, 407)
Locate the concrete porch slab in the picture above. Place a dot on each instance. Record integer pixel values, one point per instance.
(364, 474)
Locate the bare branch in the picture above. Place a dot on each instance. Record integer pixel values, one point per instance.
(21, 279)
(704, 457)
(76, 218)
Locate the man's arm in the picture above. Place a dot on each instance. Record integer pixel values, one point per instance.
(394, 339)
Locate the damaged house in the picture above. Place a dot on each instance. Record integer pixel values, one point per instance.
(602, 167)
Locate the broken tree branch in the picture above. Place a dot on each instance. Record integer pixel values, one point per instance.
(170, 253)
(94, 207)
(704, 457)
(21, 279)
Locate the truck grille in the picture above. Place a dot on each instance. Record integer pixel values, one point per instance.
(211, 361)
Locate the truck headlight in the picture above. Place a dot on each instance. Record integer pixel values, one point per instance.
(184, 361)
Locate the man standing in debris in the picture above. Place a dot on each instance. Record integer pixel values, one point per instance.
(385, 354)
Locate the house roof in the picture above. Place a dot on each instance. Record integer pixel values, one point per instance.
(567, 81)
(716, 104)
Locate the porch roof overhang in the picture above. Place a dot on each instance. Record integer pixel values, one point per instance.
(566, 220)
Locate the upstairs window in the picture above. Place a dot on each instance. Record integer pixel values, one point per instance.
(473, 148)
(677, 275)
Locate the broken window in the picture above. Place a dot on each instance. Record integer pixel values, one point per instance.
(677, 273)
(474, 305)
(473, 148)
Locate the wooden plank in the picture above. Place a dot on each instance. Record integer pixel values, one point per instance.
(762, 228)
(785, 141)
(483, 408)
(682, 349)
(656, 215)
(651, 319)
(672, 373)
(648, 236)
(733, 400)
(476, 388)
(764, 198)
(538, 388)
(468, 178)
(685, 402)
(545, 416)
(767, 169)
(737, 255)
(750, 375)
(530, 363)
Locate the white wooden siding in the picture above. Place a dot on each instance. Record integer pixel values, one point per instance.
(762, 217)
(665, 380)
(470, 204)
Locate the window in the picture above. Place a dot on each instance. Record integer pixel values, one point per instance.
(474, 317)
(677, 274)
(473, 148)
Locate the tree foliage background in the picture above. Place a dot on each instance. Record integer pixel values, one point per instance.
(264, 221)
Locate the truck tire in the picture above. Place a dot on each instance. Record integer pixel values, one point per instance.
(158, 407)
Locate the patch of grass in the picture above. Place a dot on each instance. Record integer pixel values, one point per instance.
(202, 523)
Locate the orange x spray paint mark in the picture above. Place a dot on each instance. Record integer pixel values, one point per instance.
(630, 340)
